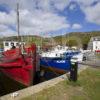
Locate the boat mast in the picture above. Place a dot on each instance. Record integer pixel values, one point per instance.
(18, 31)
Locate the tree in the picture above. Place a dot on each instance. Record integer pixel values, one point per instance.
(74, 41)
(71, 43)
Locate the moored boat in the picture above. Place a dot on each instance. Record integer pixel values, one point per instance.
(59, 60)
(55, 60)
(19, 66)
(18, 62)
(58, 65)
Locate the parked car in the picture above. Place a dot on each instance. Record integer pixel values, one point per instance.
(78, 58)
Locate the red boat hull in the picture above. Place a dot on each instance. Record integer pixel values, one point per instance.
(21, 75)
(22, 68)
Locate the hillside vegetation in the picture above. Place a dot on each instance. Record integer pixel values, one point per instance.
(76, 38)
(71, 39)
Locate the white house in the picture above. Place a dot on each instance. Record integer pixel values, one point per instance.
(94, 44)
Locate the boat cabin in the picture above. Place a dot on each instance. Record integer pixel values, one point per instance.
(7, 45)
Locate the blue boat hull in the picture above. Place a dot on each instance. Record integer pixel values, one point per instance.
(56, 64)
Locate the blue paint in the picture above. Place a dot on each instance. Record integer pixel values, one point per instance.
(58, 63)
(63, 63)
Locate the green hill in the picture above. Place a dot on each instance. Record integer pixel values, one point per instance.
(76, 38)
(71, 39)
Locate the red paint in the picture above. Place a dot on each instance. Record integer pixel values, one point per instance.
(20, 67)
(97, 51)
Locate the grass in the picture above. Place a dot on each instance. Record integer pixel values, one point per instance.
(86, 88)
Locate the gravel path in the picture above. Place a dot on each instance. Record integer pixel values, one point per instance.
(92, 63)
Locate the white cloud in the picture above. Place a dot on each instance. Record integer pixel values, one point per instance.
(76, 26)
(7, 19)
(33, 20)
(3, 28)
(8, 32)
(23, 3)
(72, 7)
(60, 4)
(38, 22)
(42, 4)
(92, 12)
(86, 2)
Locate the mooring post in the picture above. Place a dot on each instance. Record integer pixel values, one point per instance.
(73, 71)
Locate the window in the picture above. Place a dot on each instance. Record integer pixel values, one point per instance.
(6, 44)
(17, 44)
(11, 43)
(96, 47)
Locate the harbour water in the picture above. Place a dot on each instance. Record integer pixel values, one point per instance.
(8, 85)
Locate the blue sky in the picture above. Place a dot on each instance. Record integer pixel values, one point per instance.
(49, 17)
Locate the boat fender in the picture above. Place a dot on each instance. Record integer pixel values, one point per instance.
(42, 73)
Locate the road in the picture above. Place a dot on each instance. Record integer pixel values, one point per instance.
(93, 63)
